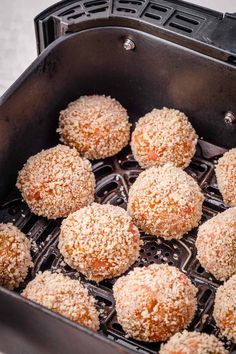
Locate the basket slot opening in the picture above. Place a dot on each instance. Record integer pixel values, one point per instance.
(117, 327)
(130, 2)
(95, 3)
(155, 17)
(205, 296)
(107, 188)
(122, 9)
(48, 262)
(26, 228)
(68, 12)
(200, 269)
(187, 19)
(130, 164)
(76, 16)
(180, 27)
(103, 171)
(159, 8)
(100, 9)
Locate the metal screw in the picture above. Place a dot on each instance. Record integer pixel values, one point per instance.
(230, 118)
(129, 44)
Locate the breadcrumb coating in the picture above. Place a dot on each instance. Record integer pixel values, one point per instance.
(216, 244)
(15, 258)
(226, 176)
(56, 182)
(162, 136)
(154, 302)
(65, 296)
(97, 126)
(225, 308)
(165, 201)
(193, 343)
(100, 241)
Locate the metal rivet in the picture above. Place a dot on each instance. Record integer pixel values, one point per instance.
(230, 118)
(129, 44)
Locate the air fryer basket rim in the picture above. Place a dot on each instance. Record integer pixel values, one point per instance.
(47, 314)
(100, 25)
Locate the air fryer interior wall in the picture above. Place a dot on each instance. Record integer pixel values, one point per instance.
(156, 74)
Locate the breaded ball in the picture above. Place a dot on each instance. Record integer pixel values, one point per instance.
(154, 302)
(56, 182)
(226, 176)
(165, 201)
(15, 258)
(162, 136)
(193, 343)
(216, 244)
(65, 296)
(225, 309)
(100, 241)
(97, 126)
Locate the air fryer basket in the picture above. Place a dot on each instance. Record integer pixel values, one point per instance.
(157, 73)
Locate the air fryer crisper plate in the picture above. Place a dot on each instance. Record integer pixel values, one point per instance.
(114, 176)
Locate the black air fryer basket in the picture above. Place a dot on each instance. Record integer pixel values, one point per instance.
(146, 54)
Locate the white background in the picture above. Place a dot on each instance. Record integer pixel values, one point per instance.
(17, 41)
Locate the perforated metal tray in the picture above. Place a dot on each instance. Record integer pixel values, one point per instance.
(114, 176)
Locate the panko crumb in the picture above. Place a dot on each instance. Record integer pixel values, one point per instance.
(15, 258)
(56, 182)
(97, 126)
(100, 241)
(226, 176)
(225, 309)
(193, 343)
(165, 201)
(216, 244)
(154, 302)
(65, 296)
(162, 136)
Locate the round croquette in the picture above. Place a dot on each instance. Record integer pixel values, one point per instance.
(15, 258)
(65, 296)
(165, 201)
(154, 302)
(162, 136)
(226, 176)
(193, 343)
(216, 244)
(97, 126)
(56, 182)
(225, 309)
(100, 241)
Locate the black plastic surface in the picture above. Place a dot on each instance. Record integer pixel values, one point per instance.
(199, 28)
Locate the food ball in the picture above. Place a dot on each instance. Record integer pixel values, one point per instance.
(56, 182)
(165, 201)
(193, 343)
(226, 177)
(216, 244)
(162, 136)
(15, 258)
(225, 308)
(65, 296)
(100, 241)
(154, 302)
(97, 126)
